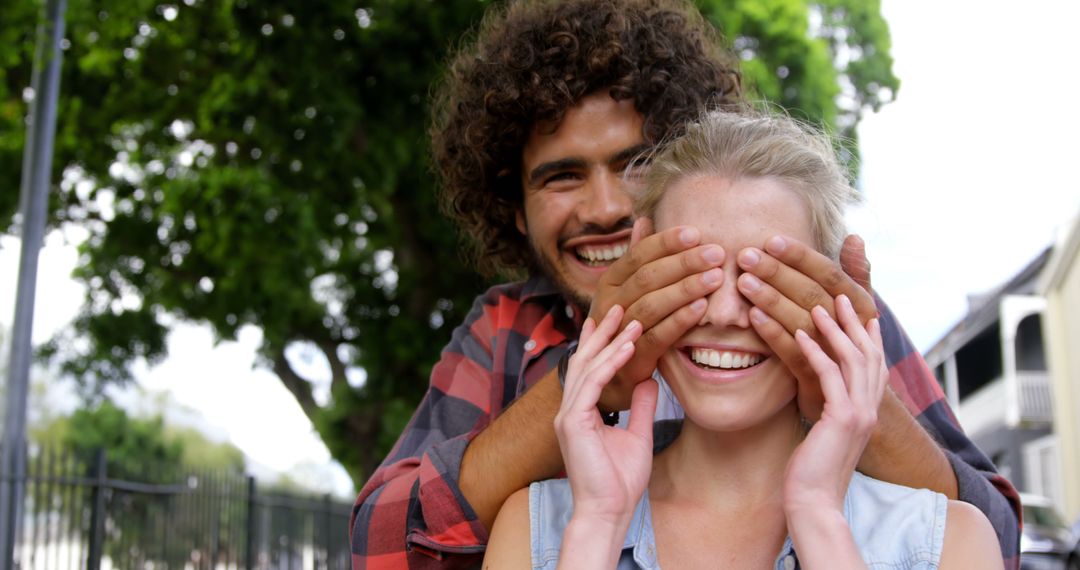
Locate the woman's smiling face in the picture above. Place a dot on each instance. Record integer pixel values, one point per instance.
(723, 373)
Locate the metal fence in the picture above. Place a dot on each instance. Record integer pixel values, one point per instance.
(88, 512)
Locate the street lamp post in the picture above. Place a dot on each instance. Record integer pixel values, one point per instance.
(34, 192)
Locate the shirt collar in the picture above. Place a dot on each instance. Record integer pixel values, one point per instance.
(640, 536)
(542, 289)
(539, 286)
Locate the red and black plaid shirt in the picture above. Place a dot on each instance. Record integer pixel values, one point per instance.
(411, 514)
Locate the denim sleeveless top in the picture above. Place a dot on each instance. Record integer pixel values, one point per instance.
(895, 527)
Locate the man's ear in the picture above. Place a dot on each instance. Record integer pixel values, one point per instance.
(519, 220)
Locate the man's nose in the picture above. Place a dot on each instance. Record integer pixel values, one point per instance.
(606, 202)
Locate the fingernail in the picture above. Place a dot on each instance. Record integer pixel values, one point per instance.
(713, 255)
(626, 347)
(819, 309)
(749, 258)
(800, 334)
(776, 244)
(758, 316)
(846, 302)
(749, 283)
(688, 236)
(712, 276)
(698, 306)
(633, 325)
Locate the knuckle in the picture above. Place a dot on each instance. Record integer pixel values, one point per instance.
(644, 277)
(795, 252)
(834, 278)
(768, 331)
(815, 296)
(767, 268)
(645, 312)
(692, 287)
(685, 318)
(649, 339)
(632, 258)
(766, 298)
(688, 261)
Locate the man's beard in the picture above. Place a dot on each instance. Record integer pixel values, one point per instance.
(548, 268)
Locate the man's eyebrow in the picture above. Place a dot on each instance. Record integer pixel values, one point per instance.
(628, 154)
(537, 174)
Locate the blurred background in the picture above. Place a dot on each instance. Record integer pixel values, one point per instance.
(245, 279)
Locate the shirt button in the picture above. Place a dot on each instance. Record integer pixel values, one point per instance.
(789, 562)
(569, 312)
(529, 345)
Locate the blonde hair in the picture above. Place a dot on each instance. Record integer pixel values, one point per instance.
(756, 144)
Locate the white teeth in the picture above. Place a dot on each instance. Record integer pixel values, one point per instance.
(602, 254)
(724, 359)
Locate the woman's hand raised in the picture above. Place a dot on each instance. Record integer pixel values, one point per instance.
(818, 473)
(608, 467)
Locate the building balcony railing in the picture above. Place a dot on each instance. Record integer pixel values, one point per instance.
(1036, 401)
(993, 404)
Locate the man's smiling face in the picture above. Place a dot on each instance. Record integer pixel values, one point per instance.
(577, 211)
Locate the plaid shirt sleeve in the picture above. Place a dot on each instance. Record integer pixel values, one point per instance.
(411, 513)
(977, 479)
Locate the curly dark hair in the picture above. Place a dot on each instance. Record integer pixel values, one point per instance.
(532, 60)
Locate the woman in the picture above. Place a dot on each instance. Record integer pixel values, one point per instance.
(747, 483)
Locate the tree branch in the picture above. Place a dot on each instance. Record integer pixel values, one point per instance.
(297, 386)
(337, 367)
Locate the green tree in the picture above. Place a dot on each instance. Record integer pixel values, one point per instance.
(265, 163)
(136, 446)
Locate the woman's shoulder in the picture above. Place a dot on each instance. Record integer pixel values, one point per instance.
(508, 543)
(970, 540)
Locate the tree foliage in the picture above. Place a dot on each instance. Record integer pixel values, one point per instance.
(265, 163)
(135, 445)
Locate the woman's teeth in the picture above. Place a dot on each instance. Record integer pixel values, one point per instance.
(723, 359)
(594, 255)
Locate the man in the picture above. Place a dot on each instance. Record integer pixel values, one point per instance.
(537, 134)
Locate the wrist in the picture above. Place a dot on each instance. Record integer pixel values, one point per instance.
(592, 542)
(810, 506)
(823, 539)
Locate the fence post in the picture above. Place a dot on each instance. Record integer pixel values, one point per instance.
(97, 512)
(251, 497)
(328, 518)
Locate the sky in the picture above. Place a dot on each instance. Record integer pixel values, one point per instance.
(966, 177)
(970, 173)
